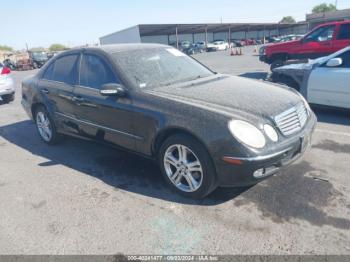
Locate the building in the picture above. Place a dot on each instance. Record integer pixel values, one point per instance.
(172, 34)
(321, 18)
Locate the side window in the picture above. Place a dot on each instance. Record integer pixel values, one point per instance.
(321, 34)
(63, 70)
(95, 72)
(344, 32)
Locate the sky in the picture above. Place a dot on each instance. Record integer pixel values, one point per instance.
(78, 22)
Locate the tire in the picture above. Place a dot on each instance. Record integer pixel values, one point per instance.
(276, 63)
(46, 126)
(202, 178)
(8, 98)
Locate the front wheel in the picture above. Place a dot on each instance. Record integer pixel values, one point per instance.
(187, 166)
(46, 126)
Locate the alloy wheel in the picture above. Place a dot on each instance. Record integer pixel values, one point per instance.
(44, 126)
(183, 168)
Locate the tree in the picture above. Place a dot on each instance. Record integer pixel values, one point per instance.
(6, 48)
(323, 8)
(288, 20)
(57, 47)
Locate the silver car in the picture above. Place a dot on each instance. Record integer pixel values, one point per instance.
(7, 88)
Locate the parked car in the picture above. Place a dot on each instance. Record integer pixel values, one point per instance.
(184, 45)
(7, 88)
(38, 58)
(323, 81)
(323, 40)
(217, 45)
(201, 45)
(195, 49)
(203, 128)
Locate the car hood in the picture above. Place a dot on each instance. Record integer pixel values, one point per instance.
(281, 46)
(231, 95)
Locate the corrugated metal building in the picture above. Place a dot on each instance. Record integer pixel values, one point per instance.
(175, 33)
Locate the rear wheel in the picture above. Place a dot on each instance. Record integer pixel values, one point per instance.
(8, 98)
(46, 126)
(187, 166)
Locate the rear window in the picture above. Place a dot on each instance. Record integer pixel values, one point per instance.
(344, 32)
(63, 70)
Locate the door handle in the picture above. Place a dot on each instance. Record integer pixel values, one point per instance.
(78, 99)
(44, 91)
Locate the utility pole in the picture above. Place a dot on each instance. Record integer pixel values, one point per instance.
(336, 4)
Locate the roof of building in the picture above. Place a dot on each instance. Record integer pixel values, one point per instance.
(170, 29)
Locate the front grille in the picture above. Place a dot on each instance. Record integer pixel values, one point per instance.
(292, 120)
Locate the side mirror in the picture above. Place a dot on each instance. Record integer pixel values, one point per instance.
(334, 62)
(112, 89)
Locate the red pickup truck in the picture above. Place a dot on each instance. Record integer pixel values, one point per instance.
(323, 40)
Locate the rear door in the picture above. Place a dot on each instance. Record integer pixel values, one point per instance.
(330, 85)
(104, 118)
(343, 37)
(56, 86)
(316, 44)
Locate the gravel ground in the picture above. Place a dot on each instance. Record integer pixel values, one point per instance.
(83, 198)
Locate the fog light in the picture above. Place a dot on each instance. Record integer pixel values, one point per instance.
(259, 173)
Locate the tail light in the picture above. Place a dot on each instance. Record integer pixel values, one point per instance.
(5, 71)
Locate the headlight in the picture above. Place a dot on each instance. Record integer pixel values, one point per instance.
(247, 133)
(271, 132)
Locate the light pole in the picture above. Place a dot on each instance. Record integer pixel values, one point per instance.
(336, 4)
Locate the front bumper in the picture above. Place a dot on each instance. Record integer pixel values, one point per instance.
(253, 170)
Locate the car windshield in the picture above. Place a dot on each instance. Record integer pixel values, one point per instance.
(153, 67)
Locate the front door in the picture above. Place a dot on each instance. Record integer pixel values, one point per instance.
(104, 118)
(318, 43)
(330, 85)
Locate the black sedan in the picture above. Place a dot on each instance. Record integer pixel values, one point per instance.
(204, 129)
